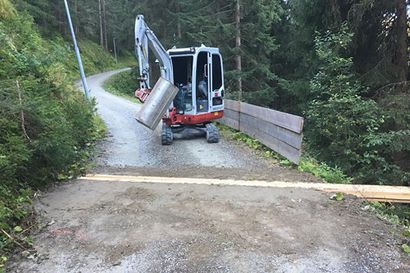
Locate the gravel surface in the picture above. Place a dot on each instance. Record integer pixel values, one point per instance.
(133, 148)
(92, 226)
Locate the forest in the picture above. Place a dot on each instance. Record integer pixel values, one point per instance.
(341, 64)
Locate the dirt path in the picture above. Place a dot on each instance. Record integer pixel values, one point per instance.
(96, 226)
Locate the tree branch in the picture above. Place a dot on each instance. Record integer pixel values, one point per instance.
(22, 118)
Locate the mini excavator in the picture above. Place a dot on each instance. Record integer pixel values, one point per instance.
(190, 91)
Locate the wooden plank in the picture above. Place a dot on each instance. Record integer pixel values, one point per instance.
(285, 120)
(289, 137)
(231, 114)
(369, 192)
(233, 123)
(232, 105)
(278, 146)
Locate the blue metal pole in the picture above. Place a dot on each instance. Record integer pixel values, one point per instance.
(77, 52)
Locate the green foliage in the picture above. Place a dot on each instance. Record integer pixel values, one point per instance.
(15, 208)
(251, 142)
(6, 9)
(338, 197)
(405, 248)
(307, 164)
(396, 214)
(324, 171)
(47, 127)
(123, 84)
(343, 127)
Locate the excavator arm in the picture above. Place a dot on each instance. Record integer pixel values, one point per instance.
(146, 39)
(157, 100)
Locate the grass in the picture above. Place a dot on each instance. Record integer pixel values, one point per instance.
(395, 214)
(16, 218)
(123, 85)
(307, 164)
(319, 169)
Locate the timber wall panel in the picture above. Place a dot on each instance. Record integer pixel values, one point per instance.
(284, 120)
(282, 132)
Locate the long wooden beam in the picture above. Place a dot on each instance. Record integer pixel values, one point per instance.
(396, 194)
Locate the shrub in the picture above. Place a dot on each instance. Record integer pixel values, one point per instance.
(124, 84)
(343, 127)
(46, 125)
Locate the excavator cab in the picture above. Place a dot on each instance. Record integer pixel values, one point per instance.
(190, 91)
(198, 73)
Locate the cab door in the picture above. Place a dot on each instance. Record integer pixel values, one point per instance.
(216, 82)
(203, 82)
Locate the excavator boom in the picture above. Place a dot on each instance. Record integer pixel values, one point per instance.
(158, 100)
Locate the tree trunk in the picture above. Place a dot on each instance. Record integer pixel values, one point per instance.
(400, 56)
(179, 28)
(77, 23)
(179, 31)
(105, 25)
(238, 57)
(101, 23)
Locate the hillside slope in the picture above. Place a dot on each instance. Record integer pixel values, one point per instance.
(46, 125)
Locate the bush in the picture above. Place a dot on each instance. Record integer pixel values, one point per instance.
(124, 84)
(344, 128)
(46, 125)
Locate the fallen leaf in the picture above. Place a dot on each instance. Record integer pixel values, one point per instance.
(406, 248)
(18, 229)
(339, 196)
(406, 233)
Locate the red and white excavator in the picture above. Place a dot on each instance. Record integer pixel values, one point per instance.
(190, 91)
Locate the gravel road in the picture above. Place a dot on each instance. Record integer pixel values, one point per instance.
(133, 148)
(94, 226)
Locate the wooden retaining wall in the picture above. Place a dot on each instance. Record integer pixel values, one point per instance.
(282, 132)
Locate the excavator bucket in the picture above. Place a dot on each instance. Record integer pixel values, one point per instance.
(157, 103)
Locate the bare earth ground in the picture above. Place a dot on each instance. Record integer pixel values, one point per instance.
(95, 226)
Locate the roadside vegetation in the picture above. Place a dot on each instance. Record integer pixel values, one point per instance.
(47, 127)
(395, 214)
(307, 164)
(124, 84)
